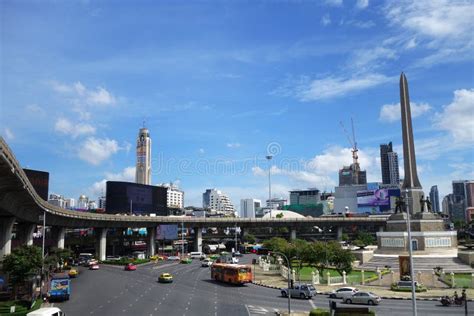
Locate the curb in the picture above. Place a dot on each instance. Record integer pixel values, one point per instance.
(384, 297)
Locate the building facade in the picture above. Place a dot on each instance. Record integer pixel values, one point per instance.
(57, 200)
(276, 203)
(102, 200)
(310, 196)
(389, 164)
(217, 200)
(143, 166)
(352, 175)
(175, 197)
(249, 207)
(83, 202)
(434, 198)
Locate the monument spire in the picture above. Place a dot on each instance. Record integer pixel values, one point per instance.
(411, 184)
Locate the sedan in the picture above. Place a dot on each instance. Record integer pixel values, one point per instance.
(363, 298)
(130, 267)
(174, 258)
(94, 266)
(165, 278)
(206, 263)
(343, 292)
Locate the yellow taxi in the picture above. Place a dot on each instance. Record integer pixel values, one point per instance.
(73, 273)
(165, 278)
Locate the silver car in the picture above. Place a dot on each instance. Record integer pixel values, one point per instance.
(343, 292)
(301, 291)
(363, 298)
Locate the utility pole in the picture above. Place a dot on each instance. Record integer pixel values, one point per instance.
(410, 254)
(269, 157)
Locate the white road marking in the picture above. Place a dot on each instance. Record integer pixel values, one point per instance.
(312, 303)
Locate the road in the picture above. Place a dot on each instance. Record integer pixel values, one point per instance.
(113, 291)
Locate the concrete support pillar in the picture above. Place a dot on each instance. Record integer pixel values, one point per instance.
(6, 227)
(59, 233)
(293, 234)
(151, 233)
(339, 233)
(25, 233)
(101, 235)
(198, 239)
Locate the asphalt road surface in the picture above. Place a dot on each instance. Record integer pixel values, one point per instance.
(113, 291)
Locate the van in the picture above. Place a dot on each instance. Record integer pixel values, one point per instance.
(47, 311)
(196, 255)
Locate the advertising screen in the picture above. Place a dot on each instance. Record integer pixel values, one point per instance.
(167, 232)
(377, 197)
(40, 182)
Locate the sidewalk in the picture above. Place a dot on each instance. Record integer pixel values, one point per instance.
(273, 280)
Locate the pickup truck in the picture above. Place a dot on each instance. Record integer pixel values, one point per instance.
(301, 291)
(60, 288)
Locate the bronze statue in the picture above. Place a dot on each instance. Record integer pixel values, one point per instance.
(400, 205)
(427, 202)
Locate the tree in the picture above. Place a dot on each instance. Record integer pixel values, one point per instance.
(249, 238)
(364, 239)
(319, 254)
(342, 260)
(23, 262)
(279, 215)
(56, 258)
(278, 244)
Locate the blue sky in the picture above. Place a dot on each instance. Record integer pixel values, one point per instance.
(221, 83)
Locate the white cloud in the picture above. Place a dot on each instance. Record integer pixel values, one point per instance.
(127, 174)
(370, 59)
(34, 109)
(457, 117)
(201, 150)
(95, 150)
(82, 95)
(392, 112)
(233, 145)
(8, 134)
(362, 4)
(65, 126)
(326, 20)
(332, 87)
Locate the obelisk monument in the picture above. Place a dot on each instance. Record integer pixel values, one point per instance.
(411, 182)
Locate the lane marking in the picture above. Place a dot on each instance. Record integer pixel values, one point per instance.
(312, 303)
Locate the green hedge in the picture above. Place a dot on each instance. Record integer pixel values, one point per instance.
(319, 312)
(125, 261)
(21, 307)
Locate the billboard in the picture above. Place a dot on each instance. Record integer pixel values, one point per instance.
(40, 182)
(126, 197)
(371, 198)
(167, 232)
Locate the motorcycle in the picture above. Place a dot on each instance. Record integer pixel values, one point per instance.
(448, 301)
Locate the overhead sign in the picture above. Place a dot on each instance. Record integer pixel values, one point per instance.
(167, 232)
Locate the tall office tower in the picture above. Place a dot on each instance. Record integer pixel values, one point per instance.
(463, 198)
(102, 200)
(143, 169)
(310, 196)
(389, 164)
(249, 207)
(434, 198)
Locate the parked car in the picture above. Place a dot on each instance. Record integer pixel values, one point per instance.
(113, 258)
(343, 292)
(47, 311)
(165, 278)
(301, 291)
(363, 298)
(130, 267)
(94, 266)
(206, 263)
(73, 273)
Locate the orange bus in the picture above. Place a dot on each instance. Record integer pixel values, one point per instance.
(231, 273)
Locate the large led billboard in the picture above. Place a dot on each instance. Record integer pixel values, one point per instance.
(40, 182)
(128, 197)
(167, 232)
(373, 197)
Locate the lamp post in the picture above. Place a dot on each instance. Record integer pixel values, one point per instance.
(182, 239)
(289, 277)
(410, 254)
(269, 157)
(43, 217)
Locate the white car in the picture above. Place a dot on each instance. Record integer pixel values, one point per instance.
(363, 298)
(206, 263)
(174, 258)
(343, 292)
(47, 311)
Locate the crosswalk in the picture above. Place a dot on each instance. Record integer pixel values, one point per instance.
(259, 310)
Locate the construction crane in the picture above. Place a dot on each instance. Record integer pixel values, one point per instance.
(353, 143)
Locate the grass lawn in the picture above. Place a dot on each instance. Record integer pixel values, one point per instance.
(460, 279)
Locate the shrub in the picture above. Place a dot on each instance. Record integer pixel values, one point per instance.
(319, 312)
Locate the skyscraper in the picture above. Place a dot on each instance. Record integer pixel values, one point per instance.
(143, 168)
(389, 164)
(248, 207)
(434, 198)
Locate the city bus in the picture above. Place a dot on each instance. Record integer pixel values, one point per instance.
(231, 273)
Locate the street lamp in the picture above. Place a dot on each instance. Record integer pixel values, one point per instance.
(269, 157)
(410, 254)
(289, 278)
(43, 217)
